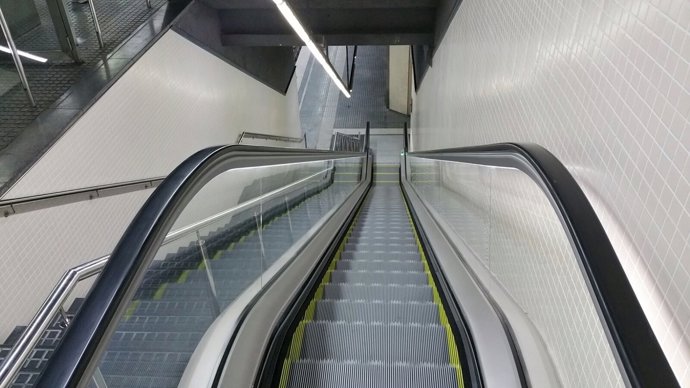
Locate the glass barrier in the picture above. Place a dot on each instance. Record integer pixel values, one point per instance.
(229, 241)
(509, 225)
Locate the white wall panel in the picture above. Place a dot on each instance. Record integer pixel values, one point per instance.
(605, 86)
(39, 246)
(174, 101)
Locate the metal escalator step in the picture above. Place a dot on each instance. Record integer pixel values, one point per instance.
(381, 265)
(377, 312)
(373, 238)
(373, 293)
(381, 248)
(414, 344)
(378, 277)
(325, 374)
(127, 381)
(399, 256)
(383, 234)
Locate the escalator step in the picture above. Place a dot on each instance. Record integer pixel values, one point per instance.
(378, 277)
(414, 344)
(377, 312)
(411, 256)
(324, 374)
(371, 293)
(381, 265)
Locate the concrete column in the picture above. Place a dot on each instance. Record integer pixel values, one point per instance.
(399, 73)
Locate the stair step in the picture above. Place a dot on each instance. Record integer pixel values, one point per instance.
(173, 308)
(398, 256)
(381, 265)
(164, 323)
(127, 381)
(377, 239)
(378, 277)
(155, 341)
(414, 344)
(372, 293)
(377, 312)
(329, 374)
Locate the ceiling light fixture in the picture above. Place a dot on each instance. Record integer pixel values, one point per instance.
(316, 52)
(24, 54)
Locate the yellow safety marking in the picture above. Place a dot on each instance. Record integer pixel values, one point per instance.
(131, 309)
(453, 354)
(183, 277)
(296, 343)
(160, 291)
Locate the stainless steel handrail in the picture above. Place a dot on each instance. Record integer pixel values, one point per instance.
(265, 136)
(25, 204)
(51, 307)
(53, 304)
(244, 205)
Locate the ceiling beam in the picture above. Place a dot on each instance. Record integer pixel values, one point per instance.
(328, 39)
(322, 4)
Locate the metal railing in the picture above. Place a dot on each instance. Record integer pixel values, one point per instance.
(49, 310)
(265, 136)
(53, 305)
(349, 143)
(26, 204)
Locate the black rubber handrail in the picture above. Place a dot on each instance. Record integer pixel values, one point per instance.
(640, 353)
(78, 354)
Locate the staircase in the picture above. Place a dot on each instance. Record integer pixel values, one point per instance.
(376, 319)
(174, 305)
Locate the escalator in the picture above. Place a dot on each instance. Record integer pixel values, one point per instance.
(330, 270)
(376, 319)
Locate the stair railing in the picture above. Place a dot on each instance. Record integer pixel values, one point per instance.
(53, 305)
(265, 136)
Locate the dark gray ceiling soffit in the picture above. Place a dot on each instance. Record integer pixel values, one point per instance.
(330, 22)
(272, 66)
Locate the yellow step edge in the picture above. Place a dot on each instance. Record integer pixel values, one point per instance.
(298, 336)
(131, 309)
(160, 292)
(453, 353)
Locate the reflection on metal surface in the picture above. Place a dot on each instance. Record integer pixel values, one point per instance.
(508, 222)
(15, 56)
(24, 54)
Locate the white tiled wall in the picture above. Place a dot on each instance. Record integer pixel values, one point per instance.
(605, 86)
(39, 246)
(176, 100)
(509, 224)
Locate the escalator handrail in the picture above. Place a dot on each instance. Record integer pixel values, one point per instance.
(642, 358)
(33, 333)
(84, 341)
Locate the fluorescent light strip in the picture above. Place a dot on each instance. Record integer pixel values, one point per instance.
(316, 52)
(24, 54)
